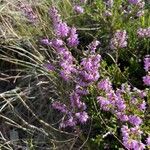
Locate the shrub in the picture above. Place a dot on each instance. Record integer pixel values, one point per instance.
(82, 75)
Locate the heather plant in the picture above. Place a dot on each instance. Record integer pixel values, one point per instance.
(81, 73)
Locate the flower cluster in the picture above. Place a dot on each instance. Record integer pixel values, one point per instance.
(85, 73)
(146, 79)
(46, 41)
(147, 63)
(73, 40)
(93, 45)
(148, 141)
(75, 112)
(69, 120)
(126, 104)
(132, 138)
(139, 4)
(78, 8)
(143, 32)
(55, 16)
(75, 99)
(66, 62)
(28, 12)
(133, 9)
(119, 40)
(65, 37)
(117, 103)
(89, 72)
(61, 28)
(60, 107)
(73, 117)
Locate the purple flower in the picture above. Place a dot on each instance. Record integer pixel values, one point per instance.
(119, 102)
(82, 117)
(125, 133)
(49, 66)
(46, 42)
(134, 1)
(112, 97)
(89, 72)
(135, 120)
(143, 32)
(121, 106)
(104, 103)
(140, 93)
(60, 107)
(61, 29)
(105, 85)
(136, 130)
(146, 80)
(141, 146)
(80, 90)
(66, 55)
(55, 16)
(141, 4)
(119, 40)
(70, 122)
(28, 12)
(131, 138)
(66, 71)
(122, 116)
(135, 145)
(76, 101)
(68, 68)
(88, 76)
(78, 9)
(142, 106)
(138, 3)
(93, 45)
(73, 38)
(57, 43)
(148, 141)
(140, 13)
(125, 88)
(147, 63)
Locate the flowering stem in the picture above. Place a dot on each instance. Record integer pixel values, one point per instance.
(107, 125)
